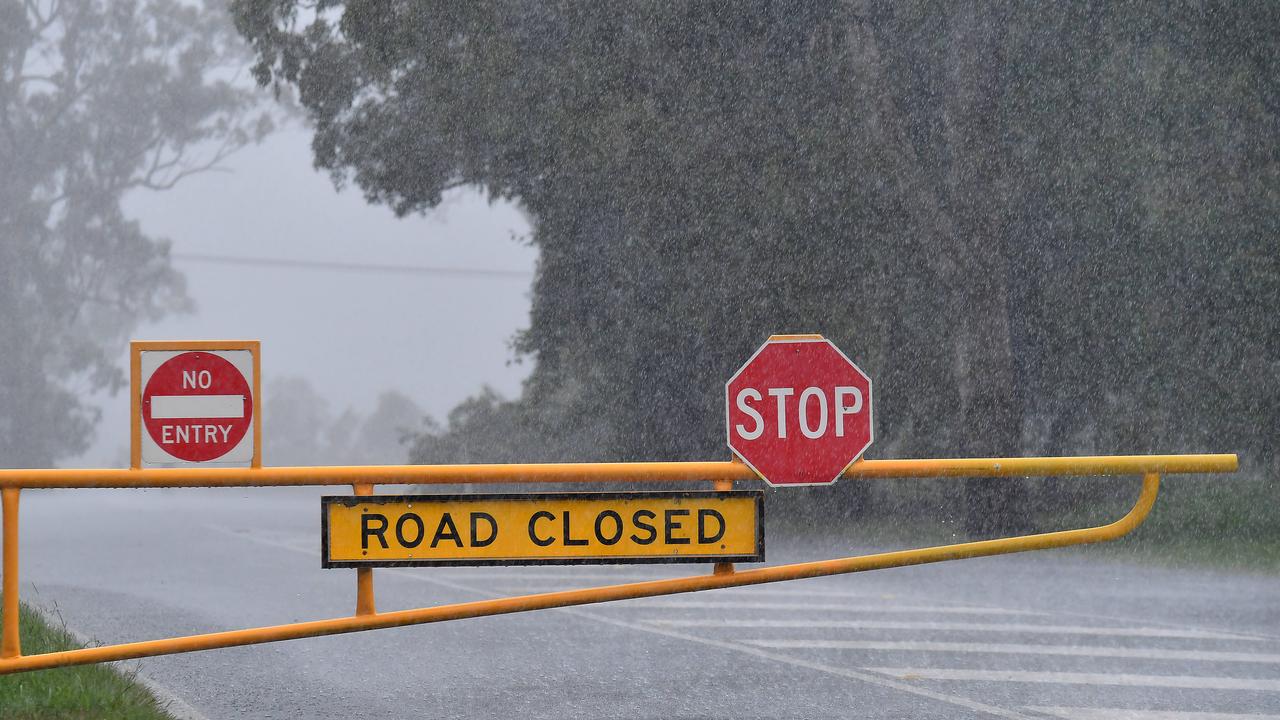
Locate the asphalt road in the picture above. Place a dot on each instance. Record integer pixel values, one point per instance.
(1059, 634)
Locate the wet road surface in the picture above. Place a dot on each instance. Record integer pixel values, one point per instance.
(1057, 634)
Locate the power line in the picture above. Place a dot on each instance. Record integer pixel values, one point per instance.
(350, 266)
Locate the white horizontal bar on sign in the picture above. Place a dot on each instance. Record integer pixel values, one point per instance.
(170, 407)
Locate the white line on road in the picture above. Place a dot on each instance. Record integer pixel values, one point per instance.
(815, 607)
(747, 591)
(516, 576)
(435, 579)
(1021, 649)
(808, 665)
(799, 591)
(1189, 682)
(906, 687)
(1122, 618)
(946, 626)
(1076, 713)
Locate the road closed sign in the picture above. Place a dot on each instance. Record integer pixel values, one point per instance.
(542, 529)
(196, 404)
(798, 412)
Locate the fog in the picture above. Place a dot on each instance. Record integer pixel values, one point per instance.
(512, 232)
(436, 338)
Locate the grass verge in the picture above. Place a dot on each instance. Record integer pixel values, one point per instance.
(75, 693)
(1199, 522)
(1222, 523)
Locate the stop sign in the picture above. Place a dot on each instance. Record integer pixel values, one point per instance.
(799, 411)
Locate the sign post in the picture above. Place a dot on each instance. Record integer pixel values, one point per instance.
(195, 404)
(798, 412)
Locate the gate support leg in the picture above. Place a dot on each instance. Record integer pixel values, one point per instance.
(364, 576)
(10, 642)
(723, 568)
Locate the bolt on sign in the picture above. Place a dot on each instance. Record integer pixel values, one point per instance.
(798, 412)
(542, 529)
(195, 404)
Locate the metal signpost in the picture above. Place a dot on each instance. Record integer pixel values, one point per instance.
(797, 413)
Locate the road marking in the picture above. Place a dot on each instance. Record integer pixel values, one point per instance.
(944, 626)
(1065, 678)
(815, 607)
(435, 579)
(808, 665)
(765, 591)
(748, 591)
(1072, 713)
(1121, 618)
(535, 576)
(1020, 649)
(594, 577)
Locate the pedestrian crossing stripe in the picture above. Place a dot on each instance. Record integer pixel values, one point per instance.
(1188, 682)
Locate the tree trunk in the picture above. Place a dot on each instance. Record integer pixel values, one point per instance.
(990, 414)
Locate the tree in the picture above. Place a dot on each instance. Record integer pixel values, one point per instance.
(301, 429)
(385, 434)
(299, 426)
(1019, 233)
(96, 99)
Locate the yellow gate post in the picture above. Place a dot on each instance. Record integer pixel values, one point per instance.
(364, 576)
(10, 642)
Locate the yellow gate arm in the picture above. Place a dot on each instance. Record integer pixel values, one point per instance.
(628, 472)
(11, 481)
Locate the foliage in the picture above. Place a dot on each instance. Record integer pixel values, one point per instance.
(93, 691)
(96, 99)
(1039, 228)
(304, 431)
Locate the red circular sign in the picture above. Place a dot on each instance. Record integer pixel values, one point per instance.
(799, 411)
(197, 406)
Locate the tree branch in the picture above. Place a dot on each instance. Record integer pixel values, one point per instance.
(157, 177)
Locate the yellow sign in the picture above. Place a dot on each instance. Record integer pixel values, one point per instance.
(544, 529)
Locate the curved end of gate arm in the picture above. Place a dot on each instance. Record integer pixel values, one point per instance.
(11, 660)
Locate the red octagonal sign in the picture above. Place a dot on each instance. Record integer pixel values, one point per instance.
(799, 411)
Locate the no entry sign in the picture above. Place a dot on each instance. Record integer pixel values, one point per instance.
(196, 404)
(799, 411)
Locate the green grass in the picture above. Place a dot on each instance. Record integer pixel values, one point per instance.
(1222, 523)
(1232, 554)
(75, 693)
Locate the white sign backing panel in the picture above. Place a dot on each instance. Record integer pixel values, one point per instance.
(195, 404)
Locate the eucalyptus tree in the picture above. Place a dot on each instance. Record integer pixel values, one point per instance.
(97, 99)
(1029, 224)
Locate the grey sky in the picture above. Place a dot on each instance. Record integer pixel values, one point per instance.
(352, 334)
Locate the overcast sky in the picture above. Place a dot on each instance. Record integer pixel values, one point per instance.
(435, 337)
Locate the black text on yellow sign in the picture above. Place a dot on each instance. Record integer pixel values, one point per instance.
(543, 529)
